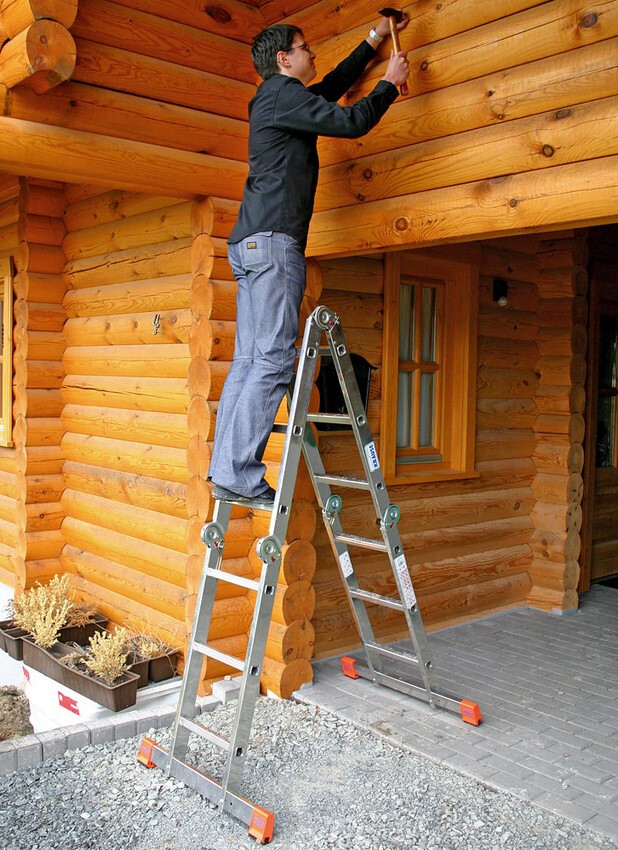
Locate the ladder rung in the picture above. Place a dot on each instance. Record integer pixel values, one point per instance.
(221, 575)
(211, 736)
(390, 651)
(363, 542)
(376, 599)
(223, 657)
(323, 350)
(332, 418)
(342, 481)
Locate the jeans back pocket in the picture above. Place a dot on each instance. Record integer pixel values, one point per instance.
(256, 251)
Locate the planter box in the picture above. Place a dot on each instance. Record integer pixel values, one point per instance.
(115, 697)
(163, 667)
(81, 634)
(139, 665)
(11, 639)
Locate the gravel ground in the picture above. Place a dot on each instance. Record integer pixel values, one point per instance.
(330, 785)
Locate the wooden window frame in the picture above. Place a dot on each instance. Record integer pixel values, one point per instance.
(455, 423)
(6, 353)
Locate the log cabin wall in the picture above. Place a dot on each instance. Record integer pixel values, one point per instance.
(125, 398)
(510, 536)
(9, 242)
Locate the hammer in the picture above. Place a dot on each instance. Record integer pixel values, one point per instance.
(394, 17)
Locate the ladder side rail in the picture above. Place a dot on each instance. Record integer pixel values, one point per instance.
(201, 625)
(340, 549)
(405, 588)
(297, 424)
(269, 550)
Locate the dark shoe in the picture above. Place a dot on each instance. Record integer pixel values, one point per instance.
(264, 500)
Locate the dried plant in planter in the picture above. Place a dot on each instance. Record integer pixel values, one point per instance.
(81, 615)
(149, 646)
(107, 655)
(43, 610)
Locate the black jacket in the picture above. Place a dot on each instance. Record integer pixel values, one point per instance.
(285, 119)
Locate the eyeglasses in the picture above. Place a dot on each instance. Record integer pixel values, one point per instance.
(303, 46)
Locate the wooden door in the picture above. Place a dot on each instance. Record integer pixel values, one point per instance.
(600, 530)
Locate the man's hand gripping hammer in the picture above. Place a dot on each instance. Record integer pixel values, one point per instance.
(394, 16)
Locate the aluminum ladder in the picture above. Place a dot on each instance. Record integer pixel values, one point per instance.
(299, 437)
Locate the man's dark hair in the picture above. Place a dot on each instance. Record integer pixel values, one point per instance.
(267, 44)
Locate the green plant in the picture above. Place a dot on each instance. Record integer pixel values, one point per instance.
(107, 655)
(43, 610)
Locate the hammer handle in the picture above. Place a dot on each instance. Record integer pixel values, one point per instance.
(397, 47)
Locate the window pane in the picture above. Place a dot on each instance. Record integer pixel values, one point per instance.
(427, 409)
(608, 393)
(428, 348)
(405, 396)
(406, 323)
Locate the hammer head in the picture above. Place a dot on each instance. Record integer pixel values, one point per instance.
(391, 13)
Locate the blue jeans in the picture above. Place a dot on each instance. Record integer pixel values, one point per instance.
(270, 270)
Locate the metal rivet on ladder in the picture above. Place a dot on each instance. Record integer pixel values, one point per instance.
(311, 352)
(361, 420)
(341, 350)
(269, 590)
(297, 431)
(283, 509)
(239, 752)
(255, 671)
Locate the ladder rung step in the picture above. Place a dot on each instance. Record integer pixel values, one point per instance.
(323, 351)
(332, 418)
(363, 542)
(376, 599)
(394, 652)
(223, 657)
(211, 736)
(221, 575)
(342, 481)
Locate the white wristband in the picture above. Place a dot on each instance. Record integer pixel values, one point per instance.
(373, 35)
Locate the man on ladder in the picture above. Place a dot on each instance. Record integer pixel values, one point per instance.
(266, 247)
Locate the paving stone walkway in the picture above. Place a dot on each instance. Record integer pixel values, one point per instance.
(548, 689)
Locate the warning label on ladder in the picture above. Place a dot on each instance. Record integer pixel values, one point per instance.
(346, 564)
(409, 596)
(372, 455)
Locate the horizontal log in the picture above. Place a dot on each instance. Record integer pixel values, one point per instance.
(9, 212)
(231, 617)
(163, 429)
(39, 287)
(44, 516)
(127, 456)
(129, 329)
(506, 383)
(572, 425)
(77, 106)
(38, 431)
(137, 616)
(105, 207)
(563, 282)
(162, 596)
(43, 345)
(563, 341)
(558, 82)
(44, 229)
(111, 24)
(565, 489)
(17, 15)
(144, 524)
(563, 312)
(556, 546)
(160, 395)
(283, 679)
(238, 21)
(553, 599)
(142, 491)
(498, 445)
(39, 488)
(287, 643)
(149, 558)
(562, 371)
(45, 259)
(526, 144)
(39, 316)
(555, 458)
(37, 150)
(454, 605)
(158, 361)
(125, 267)
(508, 324)
(39, 545)
(39, 460)
(127, 71)
(165, 293)
(148, 228)
(40, 57)
(505, 413)
(510, 204)
(561, 577)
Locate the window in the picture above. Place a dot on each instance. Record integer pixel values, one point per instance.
(6, 356)
(429, 374)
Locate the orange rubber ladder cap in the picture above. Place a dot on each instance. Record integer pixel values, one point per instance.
(470, 712)
(262, 825)
(144, 755)
(348, 665)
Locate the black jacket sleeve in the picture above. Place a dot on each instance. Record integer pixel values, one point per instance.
(299, 110)
(340, 79)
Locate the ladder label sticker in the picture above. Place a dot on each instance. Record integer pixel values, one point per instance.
(409, 597)
(372, 456)
(346, 564)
